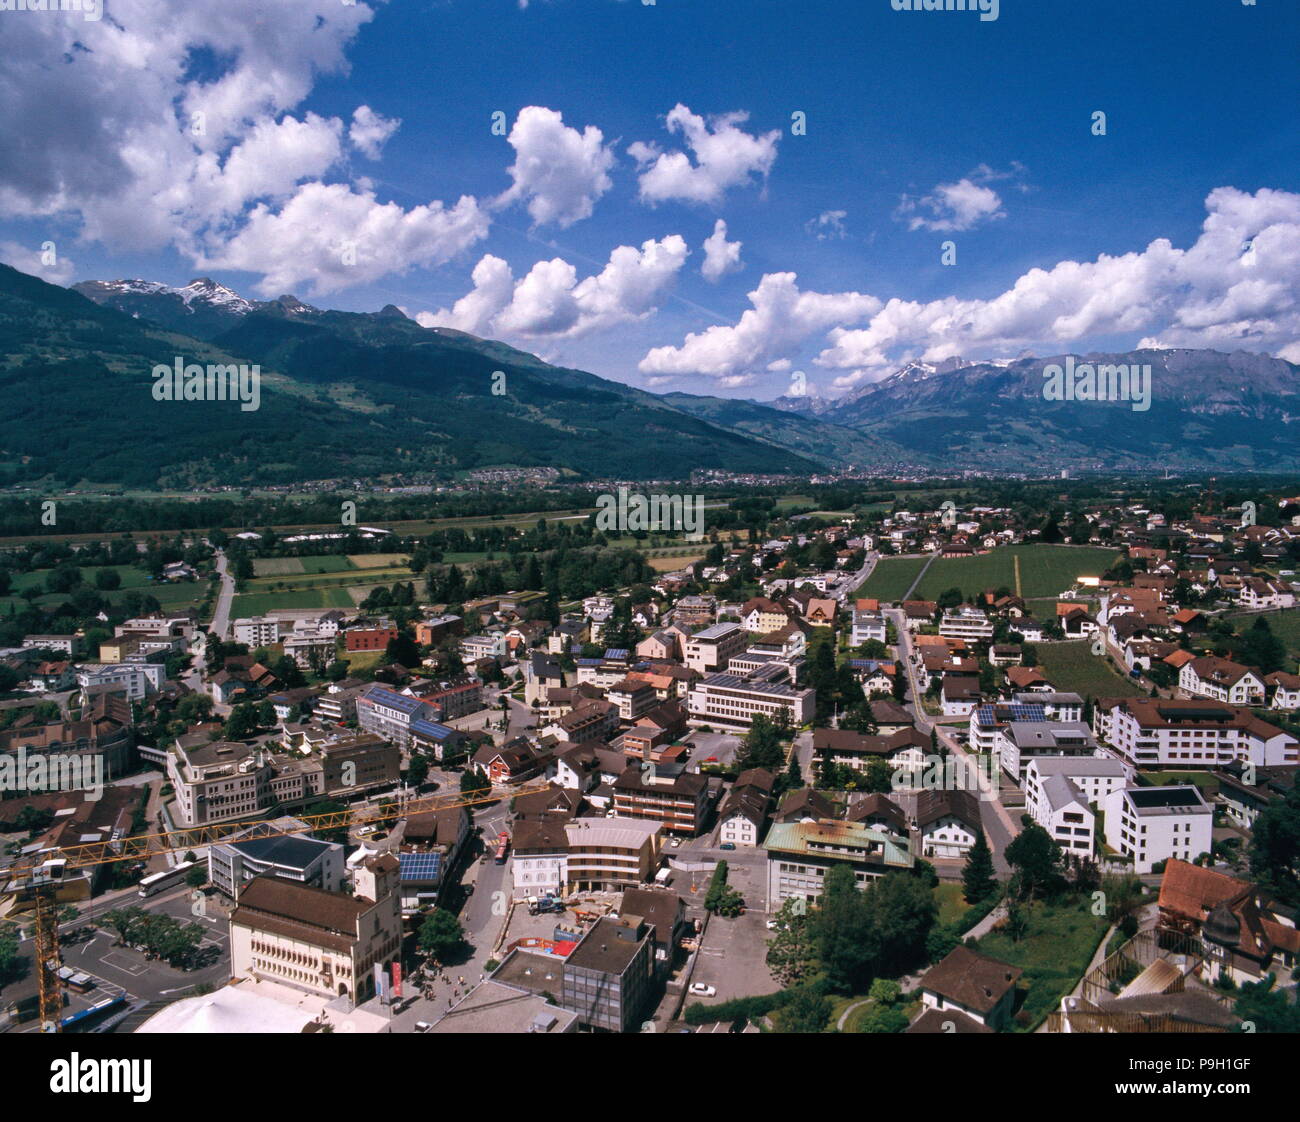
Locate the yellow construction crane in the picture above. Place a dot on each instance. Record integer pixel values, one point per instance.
(45, 869)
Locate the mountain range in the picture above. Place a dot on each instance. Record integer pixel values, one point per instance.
(349, 395)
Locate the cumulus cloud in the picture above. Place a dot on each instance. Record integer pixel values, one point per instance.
(722, 156)
(36, 261)
(780, 319)
(333, 236)
(550, 301)
(1234, 288)
(558, 171)
(827, 226)
(952, 207)
(720, 256)
(177, 126)
(370, 131)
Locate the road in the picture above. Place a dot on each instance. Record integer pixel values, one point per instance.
(221, 614)
(998, 826)
(850, 587)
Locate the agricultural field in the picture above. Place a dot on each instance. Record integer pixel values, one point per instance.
(671, 562)
(1043, 570)
(259, 603)
(176, 595)
(330, 581)
(1074, 668)
(376, 560)
(891, 578)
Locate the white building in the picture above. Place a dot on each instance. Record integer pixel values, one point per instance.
(1220, 679)
(971, 624)
(731, 700)
(710, 650)
(257, 631)
(1151, 732)
(867, 626)
(1062, 794)
(1019, 741)
(1151, 824)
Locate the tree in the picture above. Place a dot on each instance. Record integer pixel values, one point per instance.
(903, 911)
(844, 932)
(197, 877)
(790, 954)
(805, 1010)
(441, 936)
(1267, 1009)
(1036, 858)
(473, 782)
(1275, 847)
(978, 881)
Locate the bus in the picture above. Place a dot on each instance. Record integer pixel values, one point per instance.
(79, 1019)
(503, 847)
(168, 878)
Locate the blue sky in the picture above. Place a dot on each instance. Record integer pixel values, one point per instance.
(922, 127)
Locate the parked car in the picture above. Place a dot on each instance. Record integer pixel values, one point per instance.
(727, 845)
(699, 989)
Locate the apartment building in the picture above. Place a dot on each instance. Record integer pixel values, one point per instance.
(389, 714)
(138, 679)
(1063, 795)
(710, 650)
(971, 624)
(1152, 732)
(1152, 824)
(1221, 679)
(733, 700)
(676, 799)
(257, 631)
(1020, 741)
(610, 853)
(633, 698)
(868, 626)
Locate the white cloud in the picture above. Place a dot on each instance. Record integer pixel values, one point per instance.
(952, 207)
(332, 236)
(370, 131)
(780, 319)
(559, 171)
(550, 302)
(175, 125)
(720, 256)
(1235, 288)
(827, 226)
(32, 260)
(724, 157)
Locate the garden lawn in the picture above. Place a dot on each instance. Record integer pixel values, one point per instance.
(1073, 667)
(1054, 952)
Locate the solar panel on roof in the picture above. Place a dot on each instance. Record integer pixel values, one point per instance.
(419, 866)
(616, 653)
